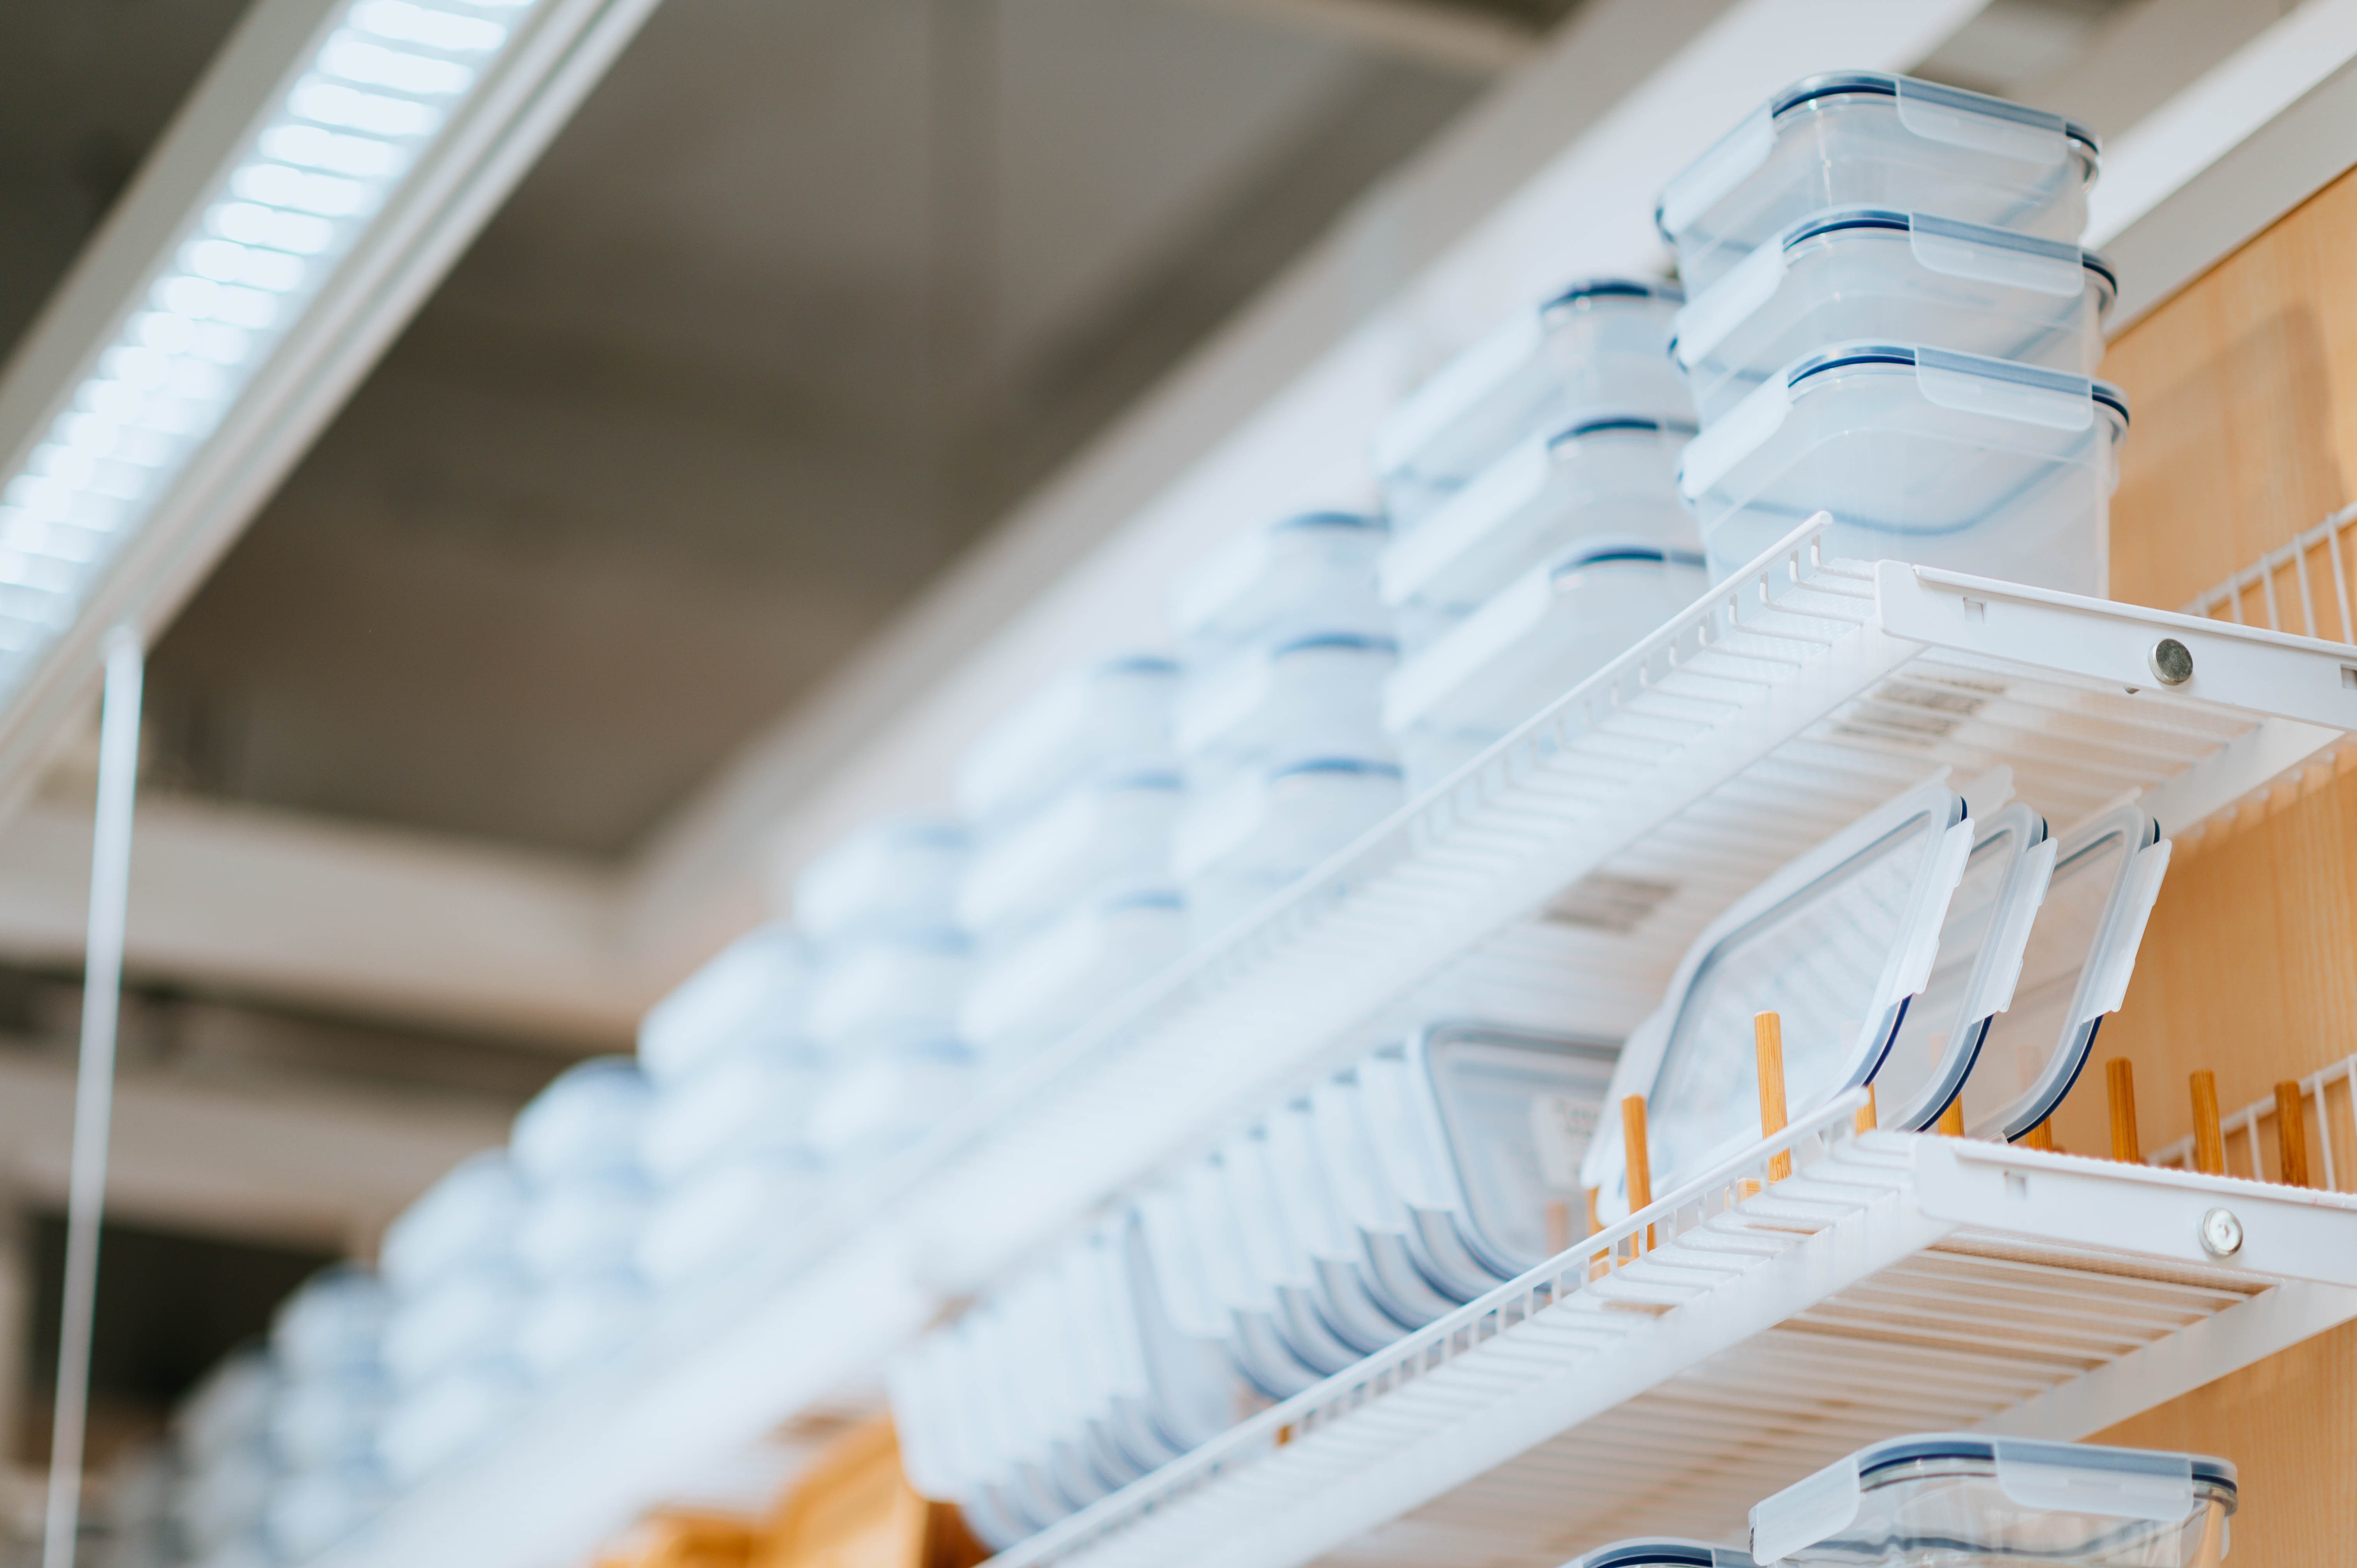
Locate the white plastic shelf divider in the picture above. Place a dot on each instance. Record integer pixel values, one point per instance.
(1895, 1282)
(1553, 883)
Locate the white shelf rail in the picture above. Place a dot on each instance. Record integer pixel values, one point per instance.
(1552, 883)
(2312, 569)
(1894, 1282)
(2332, 1091)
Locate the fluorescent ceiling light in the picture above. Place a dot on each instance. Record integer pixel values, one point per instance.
(337, 157)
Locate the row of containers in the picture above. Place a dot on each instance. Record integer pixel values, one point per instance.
(1889, 319)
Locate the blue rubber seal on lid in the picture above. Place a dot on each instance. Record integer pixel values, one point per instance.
(1843, 220)
(1615, 288)
(1340, 765)
(1609, 554)
(1330, 520)
(1357, 641)
(1886, 84)
(1605, 424)
(1660, 1554)
(1883, 1456)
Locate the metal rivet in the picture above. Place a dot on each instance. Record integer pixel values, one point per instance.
(2221, 1233)
(2171, 661)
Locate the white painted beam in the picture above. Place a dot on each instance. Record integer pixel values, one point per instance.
(350, 918)
(1429, 32)
(261, 1160)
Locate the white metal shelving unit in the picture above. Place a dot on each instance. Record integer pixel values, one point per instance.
(1895, 1282)
(1553, 883)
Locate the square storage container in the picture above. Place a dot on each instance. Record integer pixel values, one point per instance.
(1045, 987)
(1277, 1261)
(1957, 1500)
(1866, 137)
(755, 986)
(1100, 838)
(1399, 1274)
(333, 1323)
(1920, 455)
(906, 987)
(1548, 632)
(1191, 1239)
(1319, 696)
(1835, 943)
(1248, 841)
(2079, 955)
(889, 877)
(1597, 345)
(877, 1107)
(1871, 273)
(756, 1097)
(1612, 476)
(588, 1122)
(583, 1321)
(469, 1216)
(732, 1208)
(1346, 1290)
(583, 1226)
(1111, 718)
(1301, 575)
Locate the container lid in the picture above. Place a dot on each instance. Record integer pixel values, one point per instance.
(2076, 963)
(2031, 1475)
(1953, 362)
(1837, 943)
(1663, 1552)
(1215, 584)
(1589, 291)
(1619, 424)
(1932, 109)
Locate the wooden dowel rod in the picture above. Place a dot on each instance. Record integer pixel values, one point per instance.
(2040, 1136)
(1767, 1042)
(2291, 1135)
(1594, 1224)
(1866, 1120)
(2119, 1080)
(1641, 1164)
(1952, 1119)
(2209, 1142)
(1558, 1225)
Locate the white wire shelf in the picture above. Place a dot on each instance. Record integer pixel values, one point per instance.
(1552, 884)
(1895, 1282)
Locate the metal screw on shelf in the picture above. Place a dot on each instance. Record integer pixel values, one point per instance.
(2171, 661)
(2221, 1233)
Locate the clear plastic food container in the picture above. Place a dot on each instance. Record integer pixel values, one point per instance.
(729, 1208)
(582, 1322)
(1100, 838)
(1835, 943)
(1865, 137)
(1956, 1500)
(898, 875)
(1345, 1284)
(1920, 455)
(1398, 1272)
(1191, 1239)
(755, 986)
(1548, 632)
(1311, 572)
(1597, 345)
(230, 1405)
(334, 1321)
(1663, 1552)
(756, 1097)
(1319, 696)
(1279, 1267)
(906, 987)
(1051, 983)
(470, 1315)
(327, 1419)
(588, 1122)
(467, 1218)
(1248, 841)
(1503, 1119)
(583, 1226)
(1869, 273)
(2081, 954)
(1112, 717)
(1613, 476)
(311, 1511)
(454, 1414)
(875, 1108)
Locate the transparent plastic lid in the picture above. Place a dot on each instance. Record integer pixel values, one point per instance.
(2075, 967)
(1835, 943)
(1981, 944)
(1663, 1552)
(1514, 1114)
(1958, 1498)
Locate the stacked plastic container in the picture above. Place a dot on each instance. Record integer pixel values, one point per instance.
(726, 1140)
(587, 1200)
(1424, 1176)
(1539, 532)
(1068, 899)
(1287, 646)
(328, 1406)
(1891, 318)
(227, 1471)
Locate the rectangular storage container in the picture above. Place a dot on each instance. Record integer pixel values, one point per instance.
(890, 990)
(1109, 719)
(1853, 137)
(1837, 943)
(1869, 273)
(2079, 955)
(890, 876)
(1920, 455)
(754, 986)
(1609, 477)
(1251, 840)
(1549, 630)
(1318, 695)
(1304, 576)
(1599, 344)
(1960, 1500)
(756, 1097)
(1100, 838)
(1054, 982)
